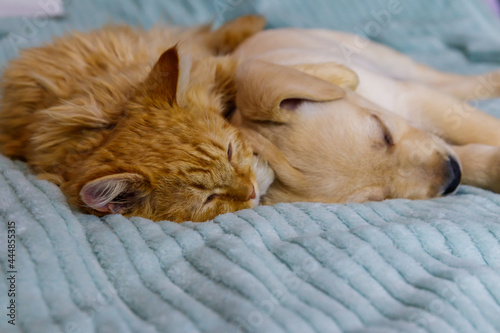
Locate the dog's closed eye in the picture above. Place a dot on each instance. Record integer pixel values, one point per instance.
(385, 131)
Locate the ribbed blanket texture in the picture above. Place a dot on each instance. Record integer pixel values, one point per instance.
(392, 266)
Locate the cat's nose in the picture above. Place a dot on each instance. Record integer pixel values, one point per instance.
(245, 192)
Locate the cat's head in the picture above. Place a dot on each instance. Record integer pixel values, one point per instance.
(172, 156)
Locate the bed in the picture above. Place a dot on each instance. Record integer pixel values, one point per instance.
(392, 266)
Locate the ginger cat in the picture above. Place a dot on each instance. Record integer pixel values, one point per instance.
(120, 133)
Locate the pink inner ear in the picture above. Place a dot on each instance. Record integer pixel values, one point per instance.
(114, 209)
(104, 209)
(107, 208)
(112, 194)
(90, 196)
(291, 103)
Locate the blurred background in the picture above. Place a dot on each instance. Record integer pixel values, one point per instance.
(495, 6)
(453, 35)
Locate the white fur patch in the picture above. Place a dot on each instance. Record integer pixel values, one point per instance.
(264, 174)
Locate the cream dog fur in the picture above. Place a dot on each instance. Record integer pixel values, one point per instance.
(343, 119)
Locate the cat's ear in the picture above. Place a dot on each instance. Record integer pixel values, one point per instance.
(230, 35)
(268, 92)
(163, 79)
(115, 194)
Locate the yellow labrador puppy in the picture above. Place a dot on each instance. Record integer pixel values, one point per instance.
(343, 119)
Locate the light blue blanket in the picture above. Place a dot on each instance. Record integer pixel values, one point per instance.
(393, 266)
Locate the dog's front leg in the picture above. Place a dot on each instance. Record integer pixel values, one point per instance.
(480, 165)
(398, 65)
(446, 116)
(454, 120)
(473, 87)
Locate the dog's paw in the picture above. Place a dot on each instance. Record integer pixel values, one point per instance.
(480, 165)
(488, 169)
(494, 167)
(489, 86)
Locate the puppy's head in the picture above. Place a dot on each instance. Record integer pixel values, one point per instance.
(328, 144)
(171, 156)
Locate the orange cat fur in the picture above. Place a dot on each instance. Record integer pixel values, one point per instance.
(90, 113)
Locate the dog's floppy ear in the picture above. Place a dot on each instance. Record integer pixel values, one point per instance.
(267, 92)
(266, 150)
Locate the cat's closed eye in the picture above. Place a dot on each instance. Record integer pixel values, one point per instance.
(211, 198)
(229, 152)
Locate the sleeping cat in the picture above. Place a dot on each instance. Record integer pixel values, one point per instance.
(118, 135)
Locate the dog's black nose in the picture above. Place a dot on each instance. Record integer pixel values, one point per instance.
(455, 175)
